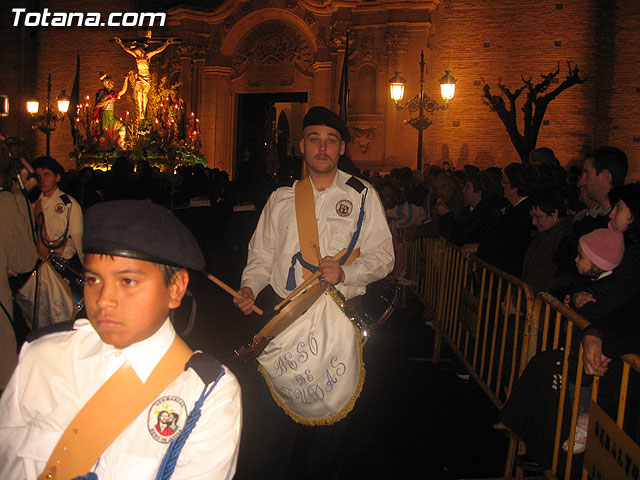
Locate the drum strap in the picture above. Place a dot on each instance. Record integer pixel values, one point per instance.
(44, 244)
(308, 233)
(307, 225)
(125, 396)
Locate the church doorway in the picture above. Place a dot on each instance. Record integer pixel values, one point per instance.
(269, 131)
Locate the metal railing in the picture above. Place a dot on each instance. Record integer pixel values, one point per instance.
(495, 325)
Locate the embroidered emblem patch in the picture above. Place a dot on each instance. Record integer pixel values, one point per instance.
(344, 208)
(60, 208)
(166, 418)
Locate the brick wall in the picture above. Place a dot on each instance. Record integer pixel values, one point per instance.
(55, 49)
(476, 39)
(481, 40)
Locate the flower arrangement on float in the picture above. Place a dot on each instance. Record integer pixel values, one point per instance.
(166, 137)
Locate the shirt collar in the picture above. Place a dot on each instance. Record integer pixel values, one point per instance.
(143, 356)
(54, 196)
(330, 187)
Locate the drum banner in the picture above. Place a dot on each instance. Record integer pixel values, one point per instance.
(55, 304)
(314, 368)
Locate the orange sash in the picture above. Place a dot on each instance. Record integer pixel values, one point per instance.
(91, 431)
(308, 227)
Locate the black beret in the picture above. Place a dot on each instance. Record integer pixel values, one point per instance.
(48, 163)
(142, 230)
(324, 116)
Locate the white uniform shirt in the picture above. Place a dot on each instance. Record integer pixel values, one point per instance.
(56, 213)
(276, 240)
(58, 373)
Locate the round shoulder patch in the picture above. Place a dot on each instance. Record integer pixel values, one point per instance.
(344, 208)
(166, 418)
(59, 208)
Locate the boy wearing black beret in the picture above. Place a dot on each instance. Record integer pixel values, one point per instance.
(119, 395)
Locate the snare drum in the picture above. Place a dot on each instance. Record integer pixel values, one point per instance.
(313, 362)
(75, 278)
(378, 303)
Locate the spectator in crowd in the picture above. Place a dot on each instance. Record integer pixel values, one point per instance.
(506, 245)
(549, 219)
(407, 214)
(449, 199)
(598, 302)
(480, 216)
(532, 406)
(604, 168)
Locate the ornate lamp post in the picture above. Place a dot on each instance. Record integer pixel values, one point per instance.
(421, 103)
(46, 122)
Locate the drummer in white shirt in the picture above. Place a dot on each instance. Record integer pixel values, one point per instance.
(58, 216)
(274, 260)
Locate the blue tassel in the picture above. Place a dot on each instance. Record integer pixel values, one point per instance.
(291, 277)
(88, 476)
(173, 452)
(356, 234)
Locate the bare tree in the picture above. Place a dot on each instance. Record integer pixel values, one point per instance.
(534, 106)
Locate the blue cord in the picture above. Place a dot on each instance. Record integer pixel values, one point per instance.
(168, 464)
(297, 257)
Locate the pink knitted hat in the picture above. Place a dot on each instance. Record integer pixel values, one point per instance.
(604, 247)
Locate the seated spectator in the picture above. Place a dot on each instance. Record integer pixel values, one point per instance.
(549, 219)
(480, 216)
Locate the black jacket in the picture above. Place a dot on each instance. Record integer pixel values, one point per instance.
(506, 244)
(471, 226)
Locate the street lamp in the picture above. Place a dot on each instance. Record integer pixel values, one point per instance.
(421, 103)
(46, 122)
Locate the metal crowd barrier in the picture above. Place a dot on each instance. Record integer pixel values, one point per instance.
(561, 327)
(494, 325)
(484, 315)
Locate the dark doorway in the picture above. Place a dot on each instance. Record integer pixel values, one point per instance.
(258, 140)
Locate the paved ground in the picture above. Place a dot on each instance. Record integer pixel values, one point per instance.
(413, 418)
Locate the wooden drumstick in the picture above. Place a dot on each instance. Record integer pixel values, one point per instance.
(308, 281)
(230, 290)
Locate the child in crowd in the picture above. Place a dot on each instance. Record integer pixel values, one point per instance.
(599, 252)
(531, 409)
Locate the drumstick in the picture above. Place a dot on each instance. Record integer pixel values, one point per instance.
(230, 290)
(317, 249)
(308, 281)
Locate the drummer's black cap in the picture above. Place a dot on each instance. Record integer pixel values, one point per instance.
(141, 230)
(324, 116)
(48, 163)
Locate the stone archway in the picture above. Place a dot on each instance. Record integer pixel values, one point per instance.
(266, 54)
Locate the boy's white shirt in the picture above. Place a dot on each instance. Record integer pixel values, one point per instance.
(58, 373)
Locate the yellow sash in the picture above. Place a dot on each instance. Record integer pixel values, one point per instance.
(125, 396)
(308, 227)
